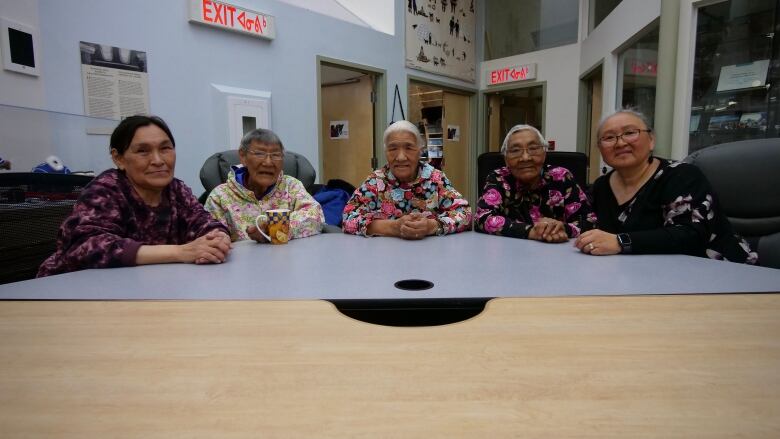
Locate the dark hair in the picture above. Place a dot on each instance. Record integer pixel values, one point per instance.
(124, 132)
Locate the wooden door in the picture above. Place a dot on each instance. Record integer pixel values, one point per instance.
(457, 154)
(348, 158)
(594, 155)
(494, 123)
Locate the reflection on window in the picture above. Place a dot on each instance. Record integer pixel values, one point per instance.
(520, 26)
(638, 71)
(599, 9)
(735, 66)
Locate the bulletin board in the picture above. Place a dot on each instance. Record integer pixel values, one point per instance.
(440, 37)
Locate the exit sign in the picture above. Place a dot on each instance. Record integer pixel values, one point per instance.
(230, 17)
(511, 74)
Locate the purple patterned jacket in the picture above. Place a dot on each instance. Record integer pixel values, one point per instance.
(110, 222)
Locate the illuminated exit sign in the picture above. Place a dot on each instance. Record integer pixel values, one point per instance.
(233, 18)
(512, 74)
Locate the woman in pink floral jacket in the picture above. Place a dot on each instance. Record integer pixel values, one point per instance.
(528, 199)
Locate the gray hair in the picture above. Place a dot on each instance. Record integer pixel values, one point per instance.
(523, 127)
(260, 135)
(628, 110)
(403, 126)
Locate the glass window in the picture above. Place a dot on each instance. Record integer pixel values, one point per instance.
(599, 9)
(734, 68)
(638, 66)
(520, 26)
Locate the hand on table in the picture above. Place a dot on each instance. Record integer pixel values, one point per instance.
(416, 226)
(598, 243)
(548, 230)
(211, 248)
(255, 234)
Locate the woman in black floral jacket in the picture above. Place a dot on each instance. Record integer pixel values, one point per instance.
(651, 205)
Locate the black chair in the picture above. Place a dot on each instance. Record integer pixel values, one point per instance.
(745, 177)
(32, 208)
(575, 162)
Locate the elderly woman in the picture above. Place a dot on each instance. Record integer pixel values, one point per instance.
(652, 205)
(405, 198)
(529, 199)
(138, 213)
(259, 185)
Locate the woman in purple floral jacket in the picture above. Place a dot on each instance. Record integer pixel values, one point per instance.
(531, 200)
(138, 213)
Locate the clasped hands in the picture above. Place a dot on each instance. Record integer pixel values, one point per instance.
(211, 248)
(548, 230)
(415, 226)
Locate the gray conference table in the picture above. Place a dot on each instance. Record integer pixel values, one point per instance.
(345, 267)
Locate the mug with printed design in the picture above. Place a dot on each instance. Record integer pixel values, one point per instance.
(278, 223)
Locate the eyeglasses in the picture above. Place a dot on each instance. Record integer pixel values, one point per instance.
(394, 149)
(262, 155)
(532, 150)
(629, 136)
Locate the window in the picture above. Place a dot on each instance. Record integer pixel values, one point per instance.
(638, 66)
(734, 67)
(520, 26)
(599, 9)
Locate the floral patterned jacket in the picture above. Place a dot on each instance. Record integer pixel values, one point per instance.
(676, 211)
(509, 208)
(382, 196)
(110, 222)
(237, 207)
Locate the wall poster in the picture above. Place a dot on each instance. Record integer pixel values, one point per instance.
(115, 81)
(440, 37)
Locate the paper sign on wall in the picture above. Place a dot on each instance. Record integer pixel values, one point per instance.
(748, 75)
(339, 129)
(114, 80)
(453, 133)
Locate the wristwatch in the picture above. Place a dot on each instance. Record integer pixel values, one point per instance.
(625, 242)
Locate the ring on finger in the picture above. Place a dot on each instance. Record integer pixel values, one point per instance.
(591, 247)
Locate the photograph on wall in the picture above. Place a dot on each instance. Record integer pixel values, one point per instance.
(723, 122)
(339, 129)
(753, 120)
(114, 80)
(440, 37)
(453, 133)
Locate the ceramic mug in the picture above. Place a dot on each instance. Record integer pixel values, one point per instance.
(278, 223)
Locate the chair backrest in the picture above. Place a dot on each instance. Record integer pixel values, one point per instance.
(216, 168)
(32, 208)
(745, 177)
(575, 162)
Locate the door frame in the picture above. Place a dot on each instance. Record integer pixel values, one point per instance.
(380, 103)
(483, 106)
(473, 95)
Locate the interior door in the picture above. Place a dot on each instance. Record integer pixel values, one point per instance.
(594, 155)
(348, 149)
(456, 130)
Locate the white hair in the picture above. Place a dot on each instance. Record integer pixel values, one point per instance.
(403, 126)
(523, 127)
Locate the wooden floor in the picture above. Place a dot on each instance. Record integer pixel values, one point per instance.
(592, 367)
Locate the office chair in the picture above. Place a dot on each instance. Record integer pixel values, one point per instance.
(745, 177)
(575, 162)
(32, 208)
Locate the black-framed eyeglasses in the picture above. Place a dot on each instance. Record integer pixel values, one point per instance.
(262, 155)
(628, 136)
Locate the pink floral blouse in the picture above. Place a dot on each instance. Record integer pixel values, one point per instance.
(510, 208)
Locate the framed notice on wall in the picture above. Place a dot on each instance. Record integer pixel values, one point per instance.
(114, 80)
(738, 76)
(440, 37)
